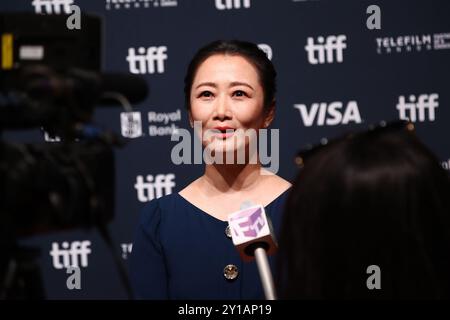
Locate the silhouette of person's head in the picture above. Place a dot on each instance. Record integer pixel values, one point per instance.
(368, 216)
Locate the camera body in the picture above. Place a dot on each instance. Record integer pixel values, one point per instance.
(46, 81)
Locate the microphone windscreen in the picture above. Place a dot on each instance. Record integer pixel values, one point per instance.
(251, 228)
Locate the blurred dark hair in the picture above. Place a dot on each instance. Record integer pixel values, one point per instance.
(378, 197)
(250, 51)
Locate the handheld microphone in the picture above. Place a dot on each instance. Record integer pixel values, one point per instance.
(252, 234)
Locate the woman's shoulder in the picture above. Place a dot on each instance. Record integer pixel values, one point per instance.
(275, 183)
(278, 188)
(282, 183)
(191, 189)
(153, 210)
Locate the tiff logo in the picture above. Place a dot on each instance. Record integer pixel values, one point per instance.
(418, 109)
(153, 187)
(325, 51)
(331, 114)
(232, 4)
(52, 6)
(71, 254)
(147, 60)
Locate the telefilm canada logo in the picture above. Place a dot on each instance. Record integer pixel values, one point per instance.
(413, 43)
(138, 4)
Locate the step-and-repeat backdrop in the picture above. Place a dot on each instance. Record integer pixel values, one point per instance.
(341, 65)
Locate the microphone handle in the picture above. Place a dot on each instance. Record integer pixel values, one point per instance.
(265, 274)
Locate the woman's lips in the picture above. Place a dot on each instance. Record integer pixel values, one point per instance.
(224, 135)
(223, 132)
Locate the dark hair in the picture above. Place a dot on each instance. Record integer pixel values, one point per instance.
(374, 198)
(248, 50)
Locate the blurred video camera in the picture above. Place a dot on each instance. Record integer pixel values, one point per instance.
(50, 78)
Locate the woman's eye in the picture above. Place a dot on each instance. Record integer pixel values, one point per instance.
(206, 94)
(240, 93)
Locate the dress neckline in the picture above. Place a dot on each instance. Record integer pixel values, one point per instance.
(225, 221)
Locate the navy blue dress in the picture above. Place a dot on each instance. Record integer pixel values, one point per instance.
(180, 252)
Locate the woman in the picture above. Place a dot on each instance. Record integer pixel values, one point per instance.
(368, 217)
(182, 249)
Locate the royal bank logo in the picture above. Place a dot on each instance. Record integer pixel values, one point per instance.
(70, 254)
(232, 4)
(138, 4)
(418, 109)
(413, 43)
(52, 6)
(329, 114)
(163, 123)
(159, 124)
(328, 49)
(131, 124)
(151, 187)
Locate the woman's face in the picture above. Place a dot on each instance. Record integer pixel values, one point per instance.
(226, 94)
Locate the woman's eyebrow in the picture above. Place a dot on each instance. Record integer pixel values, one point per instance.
(209, 84)
(238, 83)
(232, 84)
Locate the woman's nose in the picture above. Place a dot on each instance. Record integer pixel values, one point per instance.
(222, 108)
